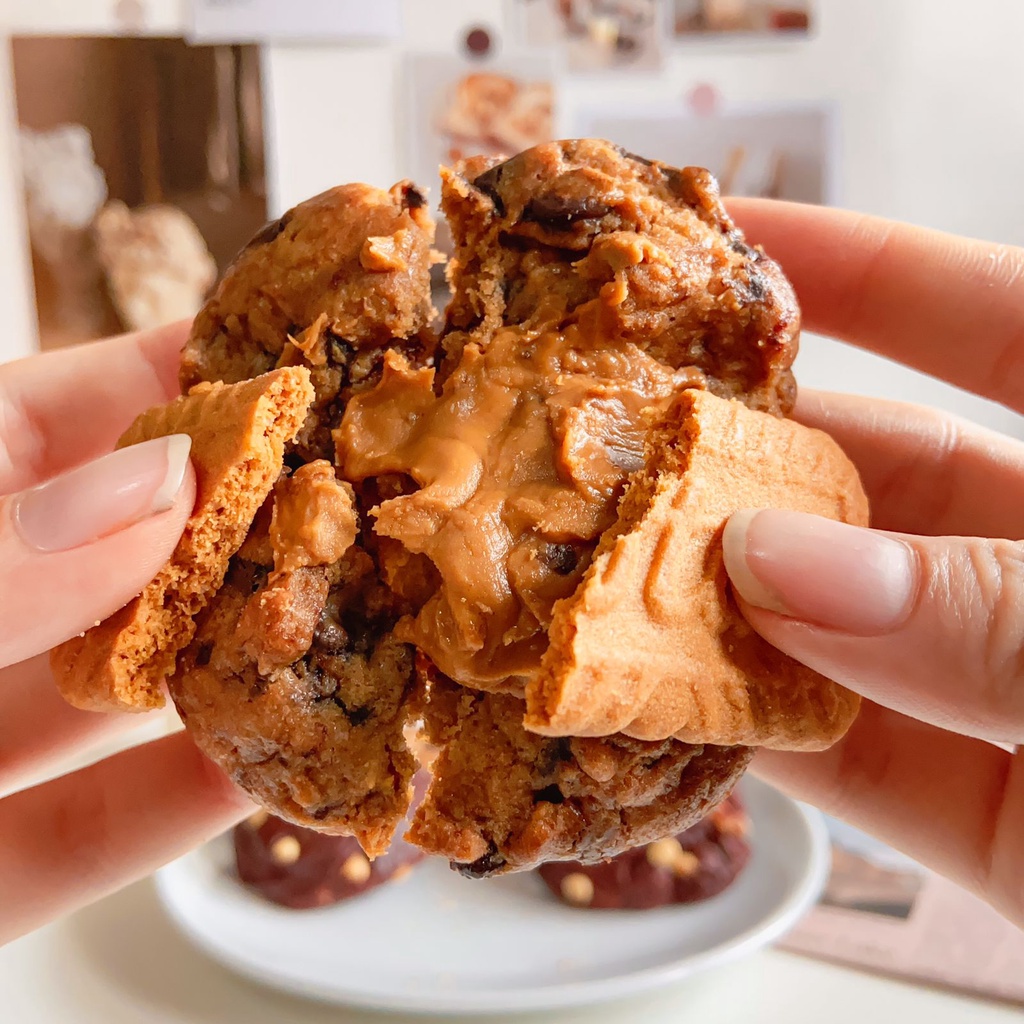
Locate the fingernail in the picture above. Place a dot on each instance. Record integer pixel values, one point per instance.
(826, 573)
(103, 497)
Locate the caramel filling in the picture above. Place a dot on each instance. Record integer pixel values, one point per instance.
(520, 461)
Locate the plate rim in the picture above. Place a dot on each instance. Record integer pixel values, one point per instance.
(562, 995)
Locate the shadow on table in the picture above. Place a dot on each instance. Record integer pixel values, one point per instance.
(131, 964)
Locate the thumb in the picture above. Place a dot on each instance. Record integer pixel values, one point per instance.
(932, 627)
(77, 548)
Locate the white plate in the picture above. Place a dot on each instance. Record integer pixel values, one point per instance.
(439, 943)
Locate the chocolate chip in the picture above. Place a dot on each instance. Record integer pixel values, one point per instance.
(356, 716)
(755, 285)
(488, 864)
(553, 754)
(549, 795)
(413, 197)
(362, 635)
(339, 351)
(330, 637)
(739, 246)
(269, 231)
(204, 654)
(558, 211)
(488, 183)
(360, 715)
(562, 559)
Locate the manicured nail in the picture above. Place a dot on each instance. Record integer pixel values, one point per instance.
(103, 497)
(826, 573)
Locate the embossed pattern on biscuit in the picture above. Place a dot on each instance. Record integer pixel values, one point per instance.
(652, 643)
(238, 437)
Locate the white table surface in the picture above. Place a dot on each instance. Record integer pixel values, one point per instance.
(121, 962)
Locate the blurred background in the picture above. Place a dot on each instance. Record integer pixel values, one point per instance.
(142, 141)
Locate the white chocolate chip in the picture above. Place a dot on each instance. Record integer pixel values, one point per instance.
(663, 853)
(687, 865)
(578, 888)
(356, 869)
(669, 854)
(732, 825)
(259, 819)
(286, 850)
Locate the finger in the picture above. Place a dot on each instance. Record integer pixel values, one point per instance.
(78, 838)
(932, 627)
(83, 545)
(63, 408)
(950, 306)
(41, 731)
(925, 471)
(952, 803)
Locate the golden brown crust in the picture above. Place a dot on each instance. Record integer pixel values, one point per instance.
(581, 232)
(308, 289)
(238, 437)
(652, 643)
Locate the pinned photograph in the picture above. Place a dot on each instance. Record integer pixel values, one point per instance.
(594, 35)
(464, 107)
(775, 152)
(733, 18)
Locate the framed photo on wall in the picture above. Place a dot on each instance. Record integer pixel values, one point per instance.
(740, 20)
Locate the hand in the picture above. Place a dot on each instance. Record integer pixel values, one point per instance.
(918, 615)
(76, 544)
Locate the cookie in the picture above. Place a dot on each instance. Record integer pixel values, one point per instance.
(447, 497)
(502, 799)
(238, 437)
(652, 644)
(295, 683)
(302, 869)
(693, 866)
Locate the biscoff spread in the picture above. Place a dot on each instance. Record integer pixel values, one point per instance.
(520, 461)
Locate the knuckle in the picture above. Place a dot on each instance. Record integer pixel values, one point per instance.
(995, 578)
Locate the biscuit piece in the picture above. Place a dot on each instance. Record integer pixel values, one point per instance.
(652, 644)
(238, 437)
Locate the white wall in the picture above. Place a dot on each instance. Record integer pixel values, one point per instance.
(931, 97)
(18, 336)
(931, 94)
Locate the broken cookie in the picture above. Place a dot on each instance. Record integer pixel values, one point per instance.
(463, 515)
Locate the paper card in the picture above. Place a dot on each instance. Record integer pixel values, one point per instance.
(266, 21)
(882, 912)
(778, 152)
(459, 107)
